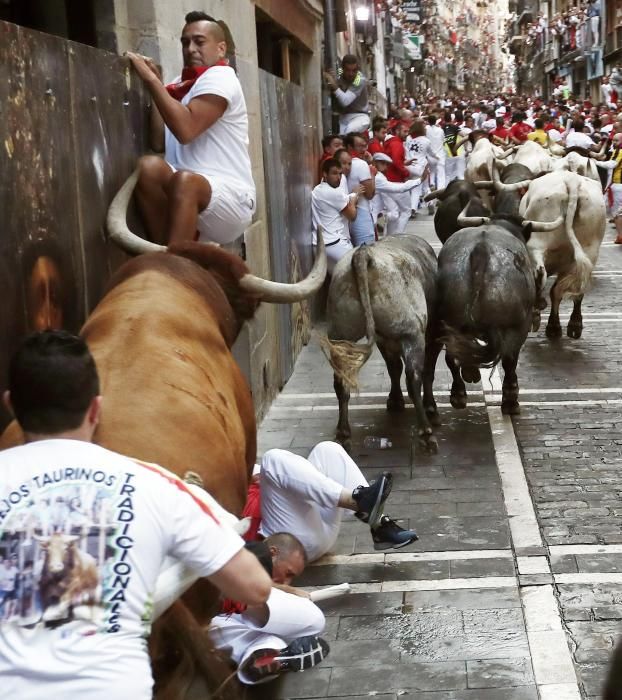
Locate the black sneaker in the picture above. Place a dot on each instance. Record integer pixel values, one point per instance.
(389, 535)
(371, 499)
(301, 654)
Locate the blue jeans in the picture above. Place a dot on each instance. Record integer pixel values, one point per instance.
(362, 228)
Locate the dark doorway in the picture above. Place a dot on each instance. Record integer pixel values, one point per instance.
(85, 21)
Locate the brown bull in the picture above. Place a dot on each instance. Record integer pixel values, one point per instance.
(173, 394)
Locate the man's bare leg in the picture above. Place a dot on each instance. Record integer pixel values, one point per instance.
(188, 195)
(154, 176)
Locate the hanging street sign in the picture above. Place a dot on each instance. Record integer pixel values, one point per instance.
(413, 42)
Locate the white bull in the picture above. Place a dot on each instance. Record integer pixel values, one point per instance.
(576, 163)
(480, 165)
(534, 157)
(574, 208)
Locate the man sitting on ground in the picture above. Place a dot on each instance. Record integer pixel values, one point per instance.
(204, 185)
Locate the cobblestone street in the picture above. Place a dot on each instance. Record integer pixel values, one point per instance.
(514, 589)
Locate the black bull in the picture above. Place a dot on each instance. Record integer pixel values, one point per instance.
(486, 292)
(452, 201)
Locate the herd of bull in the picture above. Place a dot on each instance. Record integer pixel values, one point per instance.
(162, 334)
(538, 215)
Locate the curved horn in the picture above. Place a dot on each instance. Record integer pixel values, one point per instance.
(283, 293)
(484, 185)
(464, 220)
(506, 154)
(116, 222)
(508, 188)
(545, 225)
(434, 194)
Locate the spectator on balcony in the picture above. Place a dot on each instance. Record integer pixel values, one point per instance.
(350, 92)
(593, 14)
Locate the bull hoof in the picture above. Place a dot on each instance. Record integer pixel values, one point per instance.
(470, 375)
(428, 444)
(433, 416)
(553, 332)
(510, 408)
(536, 320)
(396, 404)
(574, 330)
(458, 400)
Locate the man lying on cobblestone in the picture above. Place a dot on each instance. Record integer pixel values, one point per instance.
(280, 635)
(308, 497)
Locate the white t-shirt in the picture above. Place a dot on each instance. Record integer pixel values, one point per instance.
(489, 124)
(359, 173)
(437, 138)
(327, 203)
(84, 595)
(578, 138)
(222, 150)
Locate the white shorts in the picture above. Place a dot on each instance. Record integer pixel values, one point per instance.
(229, 213)
(616, 209)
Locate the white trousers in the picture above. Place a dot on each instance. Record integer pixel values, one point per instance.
(397, 226)
(335, 252)
(353, 123)
(437, 175)
(454, 168)
(300, 496)
(290, 617)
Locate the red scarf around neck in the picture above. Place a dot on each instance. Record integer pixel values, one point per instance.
(189, 76)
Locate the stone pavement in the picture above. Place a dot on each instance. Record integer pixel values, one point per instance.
(472, 610)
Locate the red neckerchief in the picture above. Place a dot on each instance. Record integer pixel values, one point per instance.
(189, 76)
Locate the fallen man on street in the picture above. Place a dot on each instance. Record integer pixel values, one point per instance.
(282, 634)
(204, 186)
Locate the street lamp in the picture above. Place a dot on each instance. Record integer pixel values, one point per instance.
(361, 14)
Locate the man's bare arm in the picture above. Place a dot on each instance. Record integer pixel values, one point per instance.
(185, 122)
(243, 579)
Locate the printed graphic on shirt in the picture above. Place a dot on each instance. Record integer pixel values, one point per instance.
(65, 536)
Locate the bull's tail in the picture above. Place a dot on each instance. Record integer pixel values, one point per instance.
(473, 348)
(360, 263)
(347, 358)
(576, 281)
(473, 345)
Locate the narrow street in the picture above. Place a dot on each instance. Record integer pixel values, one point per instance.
(514, 590)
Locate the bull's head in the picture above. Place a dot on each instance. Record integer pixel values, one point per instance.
(56, 547)
(265, 290)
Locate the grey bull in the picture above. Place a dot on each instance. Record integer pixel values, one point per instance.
(486, 292)
(385, 292)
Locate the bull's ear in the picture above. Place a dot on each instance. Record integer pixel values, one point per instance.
(527, 231)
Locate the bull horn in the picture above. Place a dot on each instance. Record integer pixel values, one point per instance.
(506, 154)
(116, 222)
(484, 185)
(284, 293)
(508, 188)
(464, 220)
(434, 194)
(545, 225)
